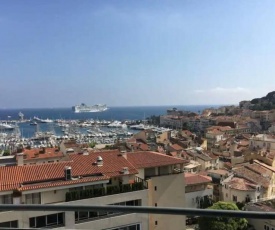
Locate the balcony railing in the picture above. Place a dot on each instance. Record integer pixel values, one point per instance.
(139, 184)
(143, 209)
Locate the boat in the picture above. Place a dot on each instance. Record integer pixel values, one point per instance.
(46, 120)
(83, 108)
(33, 123)
(6, 126)
(140, 127)
(42, 120)
(114, 124)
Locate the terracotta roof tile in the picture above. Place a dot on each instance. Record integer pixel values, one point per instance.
(176, 147)
(82, 165)
(29, 177)
(252, 175)
(191, 179)
(152, 159)
(241, 184)
(38, 153)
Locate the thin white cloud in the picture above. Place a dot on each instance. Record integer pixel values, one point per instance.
(222, 95)
(223, 90)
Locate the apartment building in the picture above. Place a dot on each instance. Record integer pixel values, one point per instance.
(235, 189)
(258, 177)
(95, 178)
(268, 115)
(206, 160)
(42, 156)
(261, 141)
(71, 146)
(173, 121)
(198, 188)
(213, 136)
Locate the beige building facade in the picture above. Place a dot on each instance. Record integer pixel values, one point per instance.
(98, 178)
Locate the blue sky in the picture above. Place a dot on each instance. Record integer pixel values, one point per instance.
(57, 53)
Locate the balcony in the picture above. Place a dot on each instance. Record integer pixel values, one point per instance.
(129, 210)
(138, 184)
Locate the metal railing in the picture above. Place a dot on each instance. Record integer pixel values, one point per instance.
(144, 209)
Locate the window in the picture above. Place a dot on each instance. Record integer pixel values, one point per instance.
(82, 216)
(56, 219)
(156, 222)
(155, 188)
(94, 186)
(9, 224)
(235, 199)
(33, 198)
(7, 199)
(128, 227)
(76, 189)
(129, 203)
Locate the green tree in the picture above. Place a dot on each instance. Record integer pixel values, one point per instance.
(224, 223)
(6, 152)
(92, 144)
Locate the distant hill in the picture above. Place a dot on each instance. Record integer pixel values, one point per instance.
(264, 103)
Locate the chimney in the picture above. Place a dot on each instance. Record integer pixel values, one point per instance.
(68, 172)
(86, 153)
(20, 159)
(99, 161)
(125, 170)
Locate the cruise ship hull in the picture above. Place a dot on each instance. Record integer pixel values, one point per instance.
(89, 109)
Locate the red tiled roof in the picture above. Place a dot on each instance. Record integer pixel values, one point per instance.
(176, 147)
(187, 132)
(152, 159)
(82, 165)
(241, 184)
(39, 153)
(191, 179)
(252, 175)
(218, 171)
(28, 177)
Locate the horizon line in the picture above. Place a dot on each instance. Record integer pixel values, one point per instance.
(118, 106)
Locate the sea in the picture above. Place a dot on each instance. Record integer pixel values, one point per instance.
(113, 113)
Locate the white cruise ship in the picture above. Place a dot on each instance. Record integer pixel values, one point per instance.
(83, 108)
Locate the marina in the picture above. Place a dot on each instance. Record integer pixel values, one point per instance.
(37, 134)
(32, 128)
